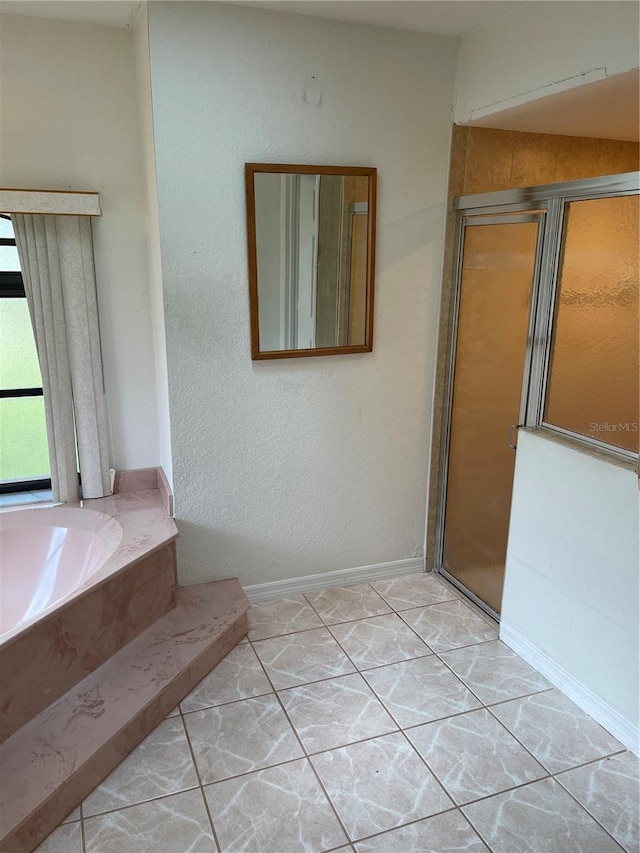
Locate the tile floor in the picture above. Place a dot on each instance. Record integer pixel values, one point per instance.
(382, 718)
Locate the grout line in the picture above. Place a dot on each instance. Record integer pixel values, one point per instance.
(306, 754)
(200, 785)
(474, 830)
(341, 622)
(224, 704)
(413, 822)
(582, 805)
(474, 692)
(516, 698)
(122, 807)
(83, 838)
(430, 769)
(546, 778)
(477, 831)
(539, 760)
(592, 761)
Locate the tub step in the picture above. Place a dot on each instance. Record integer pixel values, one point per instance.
(53, 762)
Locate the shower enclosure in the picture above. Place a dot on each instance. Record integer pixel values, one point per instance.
(545, 335)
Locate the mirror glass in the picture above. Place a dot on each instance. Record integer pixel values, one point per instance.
(311, 232)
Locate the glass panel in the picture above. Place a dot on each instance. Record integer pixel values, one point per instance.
(9, 259)
(23, 449)
(18, 359)
(8, 254)
(594, 377)
(6, 227)
(495, 298)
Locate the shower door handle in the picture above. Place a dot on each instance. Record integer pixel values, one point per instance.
(513, 429)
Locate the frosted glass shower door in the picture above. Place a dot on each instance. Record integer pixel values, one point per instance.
(498, 263)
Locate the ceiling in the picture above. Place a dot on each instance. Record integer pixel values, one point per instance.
(444, 17)
(605, 109)
(113, 13)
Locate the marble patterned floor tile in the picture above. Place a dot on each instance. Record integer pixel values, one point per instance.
(284, 616)
(420, 690)
(444, 833)
(494, 672)
(610, 790)
(379, 784)
(410, 591)
(240, 737)
(176, 823)
(558, 733)
(301, 658)
(336, 712)
(538, 818)
(449, 625)
(65, 839)
(347, 603)
(174, 713)
(237, 676)
(379, 640)
(474, 756)
(160, 765)
(74, 815)
(281, 809)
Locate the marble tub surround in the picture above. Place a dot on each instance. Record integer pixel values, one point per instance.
(166, 493)
(61, 650)
(146, 527)
(61, 755)
(352, 783)
(127, 593)
(143, 480)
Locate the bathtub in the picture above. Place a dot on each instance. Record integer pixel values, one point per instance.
(77, 584)
(46, 555)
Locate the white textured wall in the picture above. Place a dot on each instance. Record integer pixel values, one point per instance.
(291, 467)
(70, 121)
(572, 577)
(542, 48)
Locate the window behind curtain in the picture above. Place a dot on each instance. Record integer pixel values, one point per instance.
(24, 458)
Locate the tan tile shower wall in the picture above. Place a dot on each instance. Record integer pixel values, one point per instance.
(502, 159)
(486, 160)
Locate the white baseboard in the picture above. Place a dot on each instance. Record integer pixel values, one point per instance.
(347, 577)
(602, 713)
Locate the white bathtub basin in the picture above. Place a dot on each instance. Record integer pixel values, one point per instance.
(46, 555)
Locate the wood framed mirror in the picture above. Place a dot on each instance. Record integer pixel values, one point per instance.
(311, 242)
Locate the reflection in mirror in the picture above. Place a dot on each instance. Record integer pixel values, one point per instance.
(311, 248)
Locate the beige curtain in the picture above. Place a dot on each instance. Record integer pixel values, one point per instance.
(56, 258)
